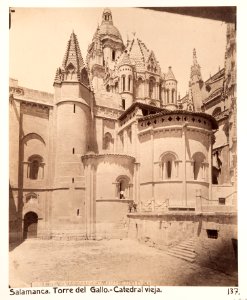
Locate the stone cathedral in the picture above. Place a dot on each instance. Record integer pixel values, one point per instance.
(116, 149)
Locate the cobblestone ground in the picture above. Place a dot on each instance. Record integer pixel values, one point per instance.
(111, 261)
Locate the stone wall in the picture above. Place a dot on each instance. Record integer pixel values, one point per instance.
(214, 234)
(217, 253)
(161, 230)
(111, 219)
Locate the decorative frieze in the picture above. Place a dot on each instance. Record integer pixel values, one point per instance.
(16, 91)
(105, 112)
(35, 109)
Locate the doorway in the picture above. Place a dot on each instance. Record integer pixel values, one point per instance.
(30, 225)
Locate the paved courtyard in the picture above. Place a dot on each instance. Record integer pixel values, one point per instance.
(105, 262)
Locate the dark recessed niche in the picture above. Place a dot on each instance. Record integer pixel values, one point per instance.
(212, 233)
(222, 201)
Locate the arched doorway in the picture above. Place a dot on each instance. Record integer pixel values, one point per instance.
(30, 225)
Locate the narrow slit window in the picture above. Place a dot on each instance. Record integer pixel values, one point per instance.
(78, 212)
(74, 109)
(73, 180)
(123, 103)
(73, 150)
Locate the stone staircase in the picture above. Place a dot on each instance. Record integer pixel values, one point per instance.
(184, 250)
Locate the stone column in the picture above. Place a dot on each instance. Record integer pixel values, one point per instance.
(125, 141)
(152, 160)
(184, 136)
(90, 200)
(210, 166)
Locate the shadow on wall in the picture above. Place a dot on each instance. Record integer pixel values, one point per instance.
(217, 252)
(15, 223)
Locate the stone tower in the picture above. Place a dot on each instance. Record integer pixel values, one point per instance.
(126, 80)
(107, 45)
(196, 83)
(72, 136)
(170, 90)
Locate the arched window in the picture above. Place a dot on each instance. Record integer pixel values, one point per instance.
(36, 167)
(123, 187)
(113, 55)
(123, 83)
(152, 88)
(169, 166)
(140, 88)
(167, 96)
(123, 103)
(116, 87)
(216, 111)
(198, 165)
(108, 88)
(129, 82)
(108, 141)
(84, 77)
(31, 198)
(173, 95)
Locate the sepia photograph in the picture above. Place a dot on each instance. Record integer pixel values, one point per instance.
(122, 148)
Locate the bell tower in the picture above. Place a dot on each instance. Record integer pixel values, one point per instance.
(106, 47)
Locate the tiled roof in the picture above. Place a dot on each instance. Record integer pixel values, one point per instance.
(169, 75)
(139, 53)
(152, 108)
(73, 54)
(124, 59)
(73, 59)
(109, 29)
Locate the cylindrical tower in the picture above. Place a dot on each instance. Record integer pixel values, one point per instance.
(73, 132)
(170, 90)
(126, 80)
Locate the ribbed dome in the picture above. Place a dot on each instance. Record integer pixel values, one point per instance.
(109, 29)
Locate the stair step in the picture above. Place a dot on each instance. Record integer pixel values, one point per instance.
(185, 248)
(182, 253)
(182, 257)
(188, 243)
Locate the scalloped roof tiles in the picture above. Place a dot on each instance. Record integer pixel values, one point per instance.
(73, 54)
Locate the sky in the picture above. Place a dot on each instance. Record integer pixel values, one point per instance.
(38, 39)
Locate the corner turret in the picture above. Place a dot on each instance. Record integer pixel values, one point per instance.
(170, 101)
